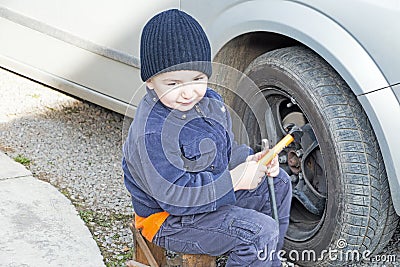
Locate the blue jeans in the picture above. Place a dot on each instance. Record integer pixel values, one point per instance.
(245, 230)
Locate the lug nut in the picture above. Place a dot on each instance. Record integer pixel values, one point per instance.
(294, 178)
(282, 159)
(299, 153)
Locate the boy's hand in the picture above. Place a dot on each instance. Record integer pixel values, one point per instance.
(247, 175)
(257, 156)
(273, 167)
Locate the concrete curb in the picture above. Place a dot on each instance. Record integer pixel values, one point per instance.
(39, 225)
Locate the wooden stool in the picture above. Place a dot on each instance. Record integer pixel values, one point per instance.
(148, 254)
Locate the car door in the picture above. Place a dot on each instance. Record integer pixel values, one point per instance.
(89, 49)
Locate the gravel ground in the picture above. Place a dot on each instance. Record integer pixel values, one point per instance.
(76, 146)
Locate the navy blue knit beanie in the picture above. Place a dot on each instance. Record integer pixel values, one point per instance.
(171, 38)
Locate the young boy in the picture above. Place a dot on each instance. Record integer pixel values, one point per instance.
(194, 189)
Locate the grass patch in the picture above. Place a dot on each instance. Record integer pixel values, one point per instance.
(120, 260)
(94, 219)
(91, 216)
(87, 215)
(116, 236)
(23, 160)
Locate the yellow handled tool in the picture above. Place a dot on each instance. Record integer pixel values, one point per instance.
(294, 134)
(267, 158)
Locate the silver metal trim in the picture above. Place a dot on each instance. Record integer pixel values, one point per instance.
(69, 38)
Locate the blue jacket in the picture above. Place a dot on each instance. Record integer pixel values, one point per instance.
(178, 161)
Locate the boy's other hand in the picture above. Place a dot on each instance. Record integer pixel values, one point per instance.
(248, 175)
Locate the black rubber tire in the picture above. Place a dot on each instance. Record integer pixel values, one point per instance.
(358, 208)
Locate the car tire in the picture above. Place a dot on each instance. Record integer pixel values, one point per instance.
(349, 208)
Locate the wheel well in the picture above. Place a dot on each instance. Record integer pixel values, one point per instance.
(243, 49)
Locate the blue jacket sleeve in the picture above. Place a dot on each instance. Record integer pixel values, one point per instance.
(177, 191)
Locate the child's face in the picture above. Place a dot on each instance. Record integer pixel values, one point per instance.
(179, 90)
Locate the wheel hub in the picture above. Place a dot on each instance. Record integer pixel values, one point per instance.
(302, 161)
(294, 162)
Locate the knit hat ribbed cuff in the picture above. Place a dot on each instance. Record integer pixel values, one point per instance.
(202, 66)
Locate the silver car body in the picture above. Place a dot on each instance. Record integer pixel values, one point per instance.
(90, 49)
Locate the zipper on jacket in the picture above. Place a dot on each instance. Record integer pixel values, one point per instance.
(205, 118)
